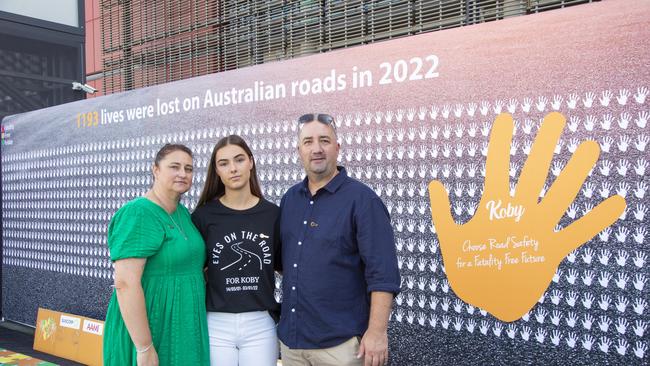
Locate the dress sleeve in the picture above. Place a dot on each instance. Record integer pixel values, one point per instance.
(134, 233)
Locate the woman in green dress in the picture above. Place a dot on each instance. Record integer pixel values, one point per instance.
(156, 315)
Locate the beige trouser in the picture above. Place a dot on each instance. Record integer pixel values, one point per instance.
(345, 354)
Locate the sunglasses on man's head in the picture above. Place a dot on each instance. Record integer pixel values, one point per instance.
(320, 117)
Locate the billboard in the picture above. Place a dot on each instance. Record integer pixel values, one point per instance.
(511, 156)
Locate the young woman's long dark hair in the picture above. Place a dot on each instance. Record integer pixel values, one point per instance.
(214, 187)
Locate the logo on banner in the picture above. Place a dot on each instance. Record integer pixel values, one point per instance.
(48, 327)
(93, 327)
(70, 322)
(5, 134)
(503, 259)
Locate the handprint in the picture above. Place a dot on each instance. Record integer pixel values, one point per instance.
(557, 102)
(458, 110)
(642, 120)
(555, 337)
(498, 105)
(587, 342)
(639, 327)
(588, 100)
(641, 142)
(471, 108)
(541, 103)
(540, 335)
(587, 321)
(639, 349)
(572, 101)
(622, 304)
(485, 107)
(446, 109)
(624, 121)
(574, 122)
(604, 344)
(512, 106)
(604, 323)
(497, 329)
(503, 259)
(623, 94)
(621, 346)
(622, 258)
(410, 114)
(604, 302)
(639, 306)
(605, 98)
(640, 167)
(421, 318)
(445, 321)
(389, 116)
(621, 325)
(525, 105)
(621, 281)
(641, 94)
(622, 189)
(571, 340)
(589, 123)
(433, 320)
(639, 281)
(433, 112)
(639, 191)
(606, 124)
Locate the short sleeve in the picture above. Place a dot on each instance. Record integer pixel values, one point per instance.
(134, 232)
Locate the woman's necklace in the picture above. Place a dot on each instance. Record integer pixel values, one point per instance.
(170, 216)
(177, 225)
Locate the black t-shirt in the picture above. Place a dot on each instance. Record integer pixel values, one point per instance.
(242, 252)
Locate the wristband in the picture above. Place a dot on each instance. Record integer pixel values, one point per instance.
(144, 349)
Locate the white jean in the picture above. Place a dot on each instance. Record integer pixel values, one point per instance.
(243, 339)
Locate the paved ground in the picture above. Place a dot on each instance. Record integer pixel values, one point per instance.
(20, 339)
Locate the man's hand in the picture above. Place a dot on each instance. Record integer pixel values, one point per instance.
(504, 258)
(374, 343)
(374, 348)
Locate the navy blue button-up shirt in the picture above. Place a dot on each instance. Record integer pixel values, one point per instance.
(337, 247)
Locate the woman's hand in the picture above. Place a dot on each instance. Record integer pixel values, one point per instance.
(148, 358)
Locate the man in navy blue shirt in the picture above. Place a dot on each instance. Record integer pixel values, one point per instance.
(339, 263)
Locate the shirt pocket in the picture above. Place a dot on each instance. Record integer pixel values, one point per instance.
(326, 230)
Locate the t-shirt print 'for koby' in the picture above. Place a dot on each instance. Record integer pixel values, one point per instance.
(240, 248)
(246, 252)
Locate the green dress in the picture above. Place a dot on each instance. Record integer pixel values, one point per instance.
(173, 284)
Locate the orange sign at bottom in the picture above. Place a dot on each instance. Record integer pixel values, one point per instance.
(69, 336)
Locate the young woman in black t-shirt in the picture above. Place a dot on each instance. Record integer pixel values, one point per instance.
(241, 234)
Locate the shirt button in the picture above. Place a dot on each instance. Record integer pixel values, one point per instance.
(293, 288)
(299, 243)
(295, 265)
(304, 222)
(293, 310)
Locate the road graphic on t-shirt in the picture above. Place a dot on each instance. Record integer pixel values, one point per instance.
(245, 256)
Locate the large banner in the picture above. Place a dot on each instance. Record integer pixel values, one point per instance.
(511, 156)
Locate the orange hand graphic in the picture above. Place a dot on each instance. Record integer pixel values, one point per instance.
(503, 259)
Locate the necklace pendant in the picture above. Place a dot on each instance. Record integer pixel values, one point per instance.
(177, 226)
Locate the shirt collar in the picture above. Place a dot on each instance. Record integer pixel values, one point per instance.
(332, 185)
